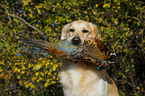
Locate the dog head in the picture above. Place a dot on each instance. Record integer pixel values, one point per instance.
(78, 31)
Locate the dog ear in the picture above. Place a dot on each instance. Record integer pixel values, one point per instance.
(64, 33)
(95, 32)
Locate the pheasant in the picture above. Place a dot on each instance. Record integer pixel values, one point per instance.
(92, 51)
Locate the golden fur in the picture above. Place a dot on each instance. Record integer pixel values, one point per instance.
(81, 78)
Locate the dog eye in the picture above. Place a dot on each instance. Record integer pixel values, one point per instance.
(85, 31)
(71, 30)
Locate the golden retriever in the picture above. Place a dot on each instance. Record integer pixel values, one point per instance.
(81, 78)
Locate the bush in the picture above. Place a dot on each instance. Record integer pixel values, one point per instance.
(28, 70)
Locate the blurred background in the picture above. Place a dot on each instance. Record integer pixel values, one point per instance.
(26, 70)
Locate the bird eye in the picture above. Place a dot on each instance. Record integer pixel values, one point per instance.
(85, 31)
(71, 30)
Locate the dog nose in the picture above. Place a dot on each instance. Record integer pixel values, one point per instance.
(76, 41)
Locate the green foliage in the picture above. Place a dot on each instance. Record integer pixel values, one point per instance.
(27, 70)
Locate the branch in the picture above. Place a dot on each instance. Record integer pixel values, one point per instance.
(7, 12)
(20, 19)
(3, 40)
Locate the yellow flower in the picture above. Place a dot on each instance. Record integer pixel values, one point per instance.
(36, 73)
(138, 88)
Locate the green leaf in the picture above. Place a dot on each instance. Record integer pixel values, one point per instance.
(37, 67)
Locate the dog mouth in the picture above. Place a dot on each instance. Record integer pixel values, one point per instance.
(76, 41)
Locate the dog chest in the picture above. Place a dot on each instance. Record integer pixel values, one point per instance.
(81, 81)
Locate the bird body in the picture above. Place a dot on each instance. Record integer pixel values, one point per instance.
(91, 51)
